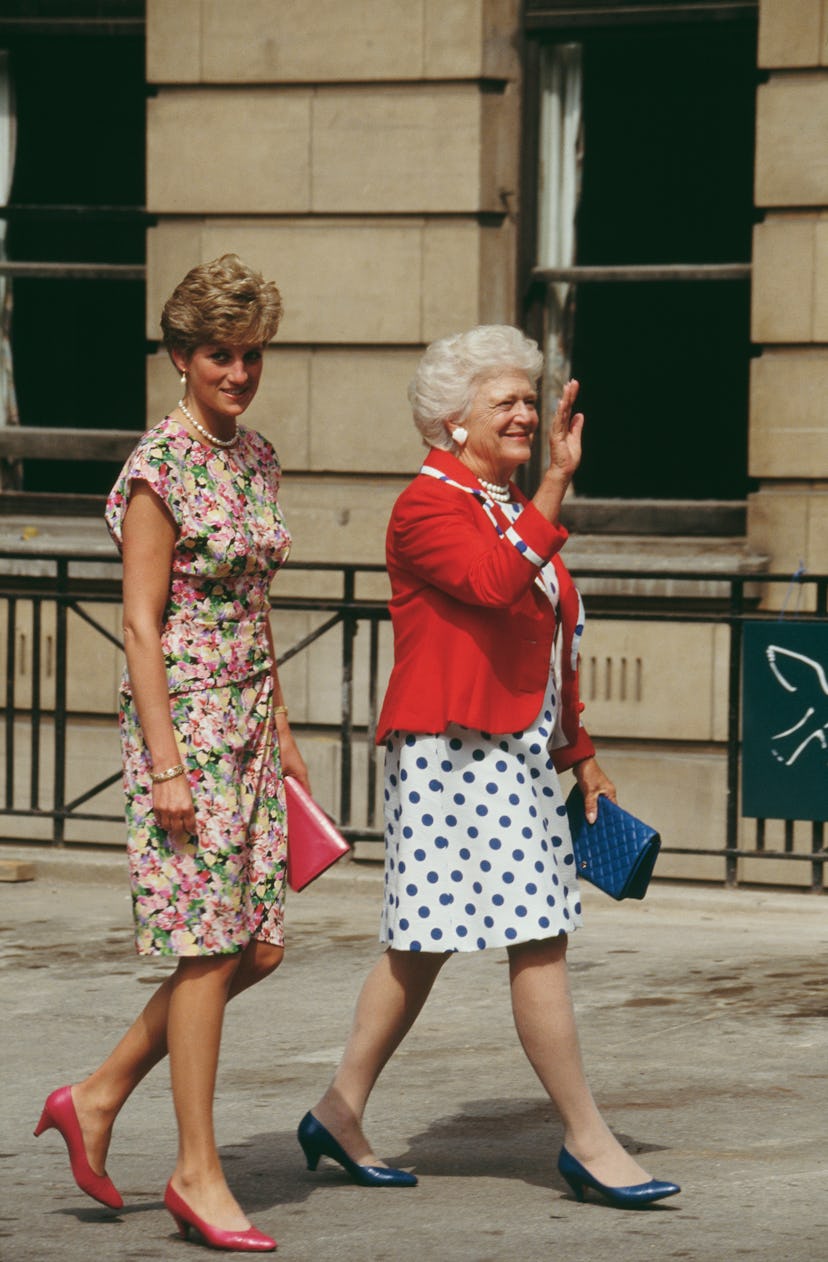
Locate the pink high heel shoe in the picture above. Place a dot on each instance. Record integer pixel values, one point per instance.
(249, 1241)
(59, 1112)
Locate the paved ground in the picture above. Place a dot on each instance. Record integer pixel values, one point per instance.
(703, 1017)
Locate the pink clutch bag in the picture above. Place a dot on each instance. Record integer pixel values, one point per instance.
(314, 843)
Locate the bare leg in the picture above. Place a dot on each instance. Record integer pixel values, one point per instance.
(199, 994)
(101, 1096)
(390, 1002)
(545, 1022)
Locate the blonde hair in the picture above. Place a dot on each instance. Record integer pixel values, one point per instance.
(453, 368)
(223, 302)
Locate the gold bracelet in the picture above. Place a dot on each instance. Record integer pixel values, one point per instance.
(158, 777)
(280, 709)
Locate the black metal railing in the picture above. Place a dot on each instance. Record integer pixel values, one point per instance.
(77, 586)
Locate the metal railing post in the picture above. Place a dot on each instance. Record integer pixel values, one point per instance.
(11, 639)
(346, 730)
(59, 794)
(734, 693)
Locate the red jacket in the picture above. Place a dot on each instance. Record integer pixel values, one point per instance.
(473, 632)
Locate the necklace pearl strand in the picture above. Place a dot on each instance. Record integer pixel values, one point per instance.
(501, 494)
(205, 433)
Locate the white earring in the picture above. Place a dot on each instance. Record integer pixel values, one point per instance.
(183, 379)
(459, 434)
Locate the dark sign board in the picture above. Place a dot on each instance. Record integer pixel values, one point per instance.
(785, 720)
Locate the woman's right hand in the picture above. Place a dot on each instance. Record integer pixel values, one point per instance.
(565, 435)
(564, 455)
(172, 806)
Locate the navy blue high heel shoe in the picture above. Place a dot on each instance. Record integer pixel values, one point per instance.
(633, 1197)
(318, 1142)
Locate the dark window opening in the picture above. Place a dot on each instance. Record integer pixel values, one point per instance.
(77, 196)
(667, 135)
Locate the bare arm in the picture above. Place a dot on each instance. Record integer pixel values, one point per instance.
(148, 541)
(293, 764)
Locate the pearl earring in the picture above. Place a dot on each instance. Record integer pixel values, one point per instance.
(183, 379)
(459, 434)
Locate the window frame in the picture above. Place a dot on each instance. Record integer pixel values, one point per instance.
(561, 21)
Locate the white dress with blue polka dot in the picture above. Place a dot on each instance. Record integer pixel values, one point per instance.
(477, 846)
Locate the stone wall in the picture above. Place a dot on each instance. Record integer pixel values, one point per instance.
(788, 516)
(363, 153)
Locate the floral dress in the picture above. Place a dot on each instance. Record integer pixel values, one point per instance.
(210, 893)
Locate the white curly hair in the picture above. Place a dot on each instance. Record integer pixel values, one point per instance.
(453, 368)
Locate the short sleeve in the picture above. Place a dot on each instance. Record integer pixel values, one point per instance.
(150, 462)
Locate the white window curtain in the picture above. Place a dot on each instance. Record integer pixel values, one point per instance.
(559, 191)
(8, 402)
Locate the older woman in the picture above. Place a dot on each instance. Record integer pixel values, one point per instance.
(478, 852)
(205, 737)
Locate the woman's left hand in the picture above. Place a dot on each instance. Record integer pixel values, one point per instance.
(293, 764)
(593, 783)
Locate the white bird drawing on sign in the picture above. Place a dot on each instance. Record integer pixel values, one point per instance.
(797, 673)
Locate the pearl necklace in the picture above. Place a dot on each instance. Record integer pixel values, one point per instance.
(205, 433)
(501, 494)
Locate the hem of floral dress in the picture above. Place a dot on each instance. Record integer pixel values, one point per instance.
(151, 953)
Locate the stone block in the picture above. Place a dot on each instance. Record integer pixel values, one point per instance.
(312, 679)
(173, 35)
(360, 418)
(451, 278)
(329, 41)
(500, 155)
(340, 281)
(820, 315)
(470, 38)
(790, 33)
(783, 278)
(15, 870)
(791, 154)
(656, 681)
(312, 41)
(778, 525)
(769, 871)
(788, 431)
(402, 149)
(95, 664)
(290, 627)
(93, 754)
(220, 152)
(24, 655)
(817, 538)
(390, 282)
(498, 274)
(339, 519)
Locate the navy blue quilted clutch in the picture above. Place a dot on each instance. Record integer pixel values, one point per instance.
(617, 853)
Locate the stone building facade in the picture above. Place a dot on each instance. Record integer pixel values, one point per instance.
(372, 157)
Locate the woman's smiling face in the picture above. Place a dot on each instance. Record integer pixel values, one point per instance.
(222, 380)
(501, 425)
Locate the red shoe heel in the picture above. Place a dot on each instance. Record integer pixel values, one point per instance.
(44, 1124)
(59, 1112)
(248, 1241)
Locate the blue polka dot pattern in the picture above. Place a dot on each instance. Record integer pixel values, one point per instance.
(463, 873)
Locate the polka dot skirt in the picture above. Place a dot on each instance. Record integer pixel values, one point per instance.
(477, 846)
